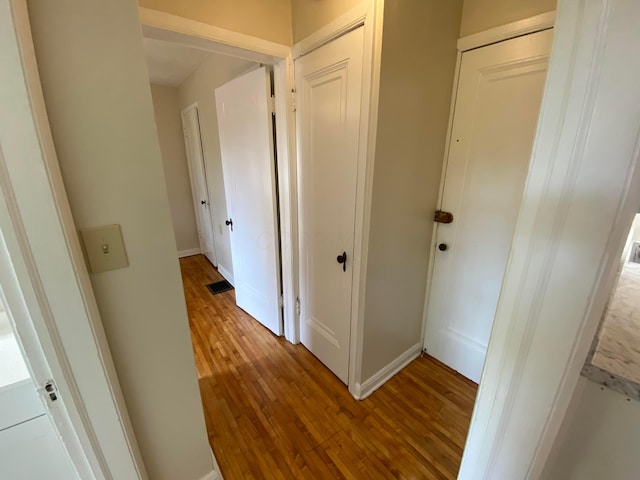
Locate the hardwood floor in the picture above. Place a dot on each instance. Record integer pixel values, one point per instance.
(273, 411)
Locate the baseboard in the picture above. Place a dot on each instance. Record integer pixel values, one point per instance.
(225, 273)
(212, 476)
(378, 379)
(216, 474)
(188, 253)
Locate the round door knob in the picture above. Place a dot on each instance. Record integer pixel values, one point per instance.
(203, 202)
(442, 247)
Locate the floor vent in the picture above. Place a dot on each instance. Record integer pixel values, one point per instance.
(219, 287)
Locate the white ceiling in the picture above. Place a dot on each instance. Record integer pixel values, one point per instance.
(170, 64)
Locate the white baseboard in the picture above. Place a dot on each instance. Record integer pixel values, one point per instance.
(188, 253)
(381, 376)
(216, 474)
(225, 273)
(212, 476)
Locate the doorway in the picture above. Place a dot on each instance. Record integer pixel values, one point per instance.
(499, 92)
(30, 446)
(222, 174)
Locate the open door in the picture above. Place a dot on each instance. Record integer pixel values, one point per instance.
(198, 177)
(245, 125)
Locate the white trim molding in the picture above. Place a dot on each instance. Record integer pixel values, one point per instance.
(172, 28)
(225, 273)
(379, 378)
(214, 475)
(188, 253)
(346, 22)
(582, 193)
(544, 21)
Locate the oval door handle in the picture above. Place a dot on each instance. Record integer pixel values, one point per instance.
(442, 247)
(343, 260)
(203, 202)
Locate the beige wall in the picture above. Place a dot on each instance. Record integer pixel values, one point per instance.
(166, 107)
(310, 15)
(269, 20)
(479, 15)
(418, 62)
(98, 99)
(200, 87)
(599, 437)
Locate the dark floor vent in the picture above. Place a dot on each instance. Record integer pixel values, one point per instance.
(219, 287)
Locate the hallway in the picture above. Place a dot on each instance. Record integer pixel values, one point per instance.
(274, 411)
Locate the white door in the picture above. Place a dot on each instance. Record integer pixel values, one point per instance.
(495, 117)
(328, 82)
(245, 125)
(198, 177)
(30, 448)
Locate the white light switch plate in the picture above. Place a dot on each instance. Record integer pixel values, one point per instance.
(104, 247)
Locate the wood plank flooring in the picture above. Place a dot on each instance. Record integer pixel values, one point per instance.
(273, 411)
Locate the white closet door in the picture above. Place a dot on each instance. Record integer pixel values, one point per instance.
(198, 177)
(245, 125)
(328, 82)
(495, 118)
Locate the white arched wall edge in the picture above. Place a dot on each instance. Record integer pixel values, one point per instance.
(43, 277)
(581, 195)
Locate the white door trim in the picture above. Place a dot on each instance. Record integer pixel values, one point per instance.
(573, 221)
(45, 282)
(182, 31)
(370, 14)
(537, 23)
(346, 22)
(172, 28)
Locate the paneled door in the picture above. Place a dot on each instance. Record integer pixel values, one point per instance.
(496, 113)
(198, 177)
(328, 84)
(245, 125)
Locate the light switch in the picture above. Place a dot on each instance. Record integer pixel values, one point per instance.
(104, 247)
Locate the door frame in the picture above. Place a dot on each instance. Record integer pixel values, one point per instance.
(512, 430)
(182, 31)
(537, 23)
(368, 14)
(192, 106)
(45, 283)
(571, 204)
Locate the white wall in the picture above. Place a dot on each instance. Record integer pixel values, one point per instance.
(96, 88)
(166, 107)
(599, 438)
(418, 62)
(200, 87)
